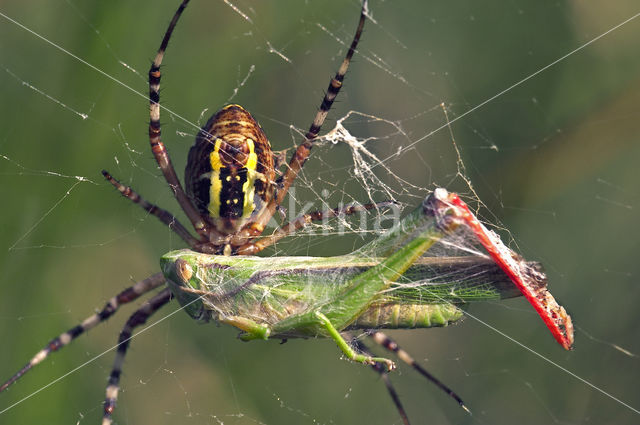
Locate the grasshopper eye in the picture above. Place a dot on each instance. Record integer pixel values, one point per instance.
(183, 270)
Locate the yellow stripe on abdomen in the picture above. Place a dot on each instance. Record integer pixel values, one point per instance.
(249, 186)
(216, 183)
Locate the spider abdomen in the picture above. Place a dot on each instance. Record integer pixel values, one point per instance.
(229, 171)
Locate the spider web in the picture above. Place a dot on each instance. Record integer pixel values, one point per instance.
(553, 160)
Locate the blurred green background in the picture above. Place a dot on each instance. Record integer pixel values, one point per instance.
(555, 161)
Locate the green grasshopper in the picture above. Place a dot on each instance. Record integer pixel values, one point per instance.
(388, 283)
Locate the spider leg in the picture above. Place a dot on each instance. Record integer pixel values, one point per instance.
(163, 215)
(302, 221)
(138, 318)
(301, 154)
(157, 147)
(126, 296)
(382, 371)
(391, 345)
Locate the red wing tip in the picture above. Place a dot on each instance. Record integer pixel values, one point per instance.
(532, 283)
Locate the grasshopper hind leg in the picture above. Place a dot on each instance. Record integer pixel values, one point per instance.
(346, 349)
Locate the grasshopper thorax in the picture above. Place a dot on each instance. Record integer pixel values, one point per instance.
(229, 175)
